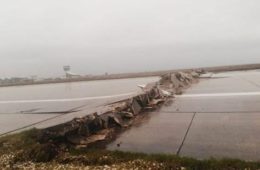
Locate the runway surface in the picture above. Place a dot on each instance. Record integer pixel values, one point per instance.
(218, 117)
(46, 105)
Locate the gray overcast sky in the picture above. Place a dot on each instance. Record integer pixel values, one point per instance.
(95, 36)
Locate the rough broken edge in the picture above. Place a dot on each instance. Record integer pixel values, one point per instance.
(94, 129)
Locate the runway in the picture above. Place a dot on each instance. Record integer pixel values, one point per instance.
(218, 117)
(45, 105)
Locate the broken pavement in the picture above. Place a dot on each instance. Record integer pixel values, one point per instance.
(96, 129)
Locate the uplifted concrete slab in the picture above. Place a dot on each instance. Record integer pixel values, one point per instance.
(226, 123)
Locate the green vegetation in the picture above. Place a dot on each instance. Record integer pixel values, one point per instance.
(25, 148)
(18, 141)
(94, 157)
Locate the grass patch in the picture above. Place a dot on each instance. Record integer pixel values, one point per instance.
(18, 141)
(31, 150)
(26, 147)
(169, 161)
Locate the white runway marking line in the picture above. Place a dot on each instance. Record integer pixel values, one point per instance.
(219, 94)
(66, 100)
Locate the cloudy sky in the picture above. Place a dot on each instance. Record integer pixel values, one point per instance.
(96, 36)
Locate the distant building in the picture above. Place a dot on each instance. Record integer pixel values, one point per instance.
(68, 73)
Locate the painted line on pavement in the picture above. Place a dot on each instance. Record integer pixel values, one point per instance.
(219, 94)
(66, 100)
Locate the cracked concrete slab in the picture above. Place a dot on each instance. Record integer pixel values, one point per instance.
(225, 125)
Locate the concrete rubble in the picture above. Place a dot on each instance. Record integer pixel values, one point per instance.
(176, 82)
(96, 128)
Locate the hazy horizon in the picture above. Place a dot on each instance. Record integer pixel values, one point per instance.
(94, 37)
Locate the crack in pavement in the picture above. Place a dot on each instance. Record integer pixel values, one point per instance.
(186, 134)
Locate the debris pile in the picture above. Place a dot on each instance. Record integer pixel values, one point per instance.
(93, 128)
(96, 129)
(176, 82)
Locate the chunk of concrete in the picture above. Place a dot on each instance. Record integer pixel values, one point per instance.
(84, 129)
(135, 107)
(115, 120)
(195, 74)
(127, 115)
(99, 136)
(165, 93)
(156, 102)
(96, 124)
